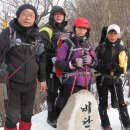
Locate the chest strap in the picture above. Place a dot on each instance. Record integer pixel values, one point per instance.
(106, 76)
(66, 75)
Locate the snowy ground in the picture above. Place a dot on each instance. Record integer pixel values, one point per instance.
(39, 120)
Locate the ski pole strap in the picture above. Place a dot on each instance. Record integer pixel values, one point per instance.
(76, 73)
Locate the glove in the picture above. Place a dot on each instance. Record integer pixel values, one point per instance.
(87, 60)
(39, 48)
(123, 59)
(53, 59)
(78, 62)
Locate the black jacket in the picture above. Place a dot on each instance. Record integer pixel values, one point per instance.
(108, 57)
(18, 54)
(51, 44)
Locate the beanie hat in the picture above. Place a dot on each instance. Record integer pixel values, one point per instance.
(26, 6)
(114, 27)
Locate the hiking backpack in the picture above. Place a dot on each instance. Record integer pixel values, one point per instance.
(62, 37)
(3, 66)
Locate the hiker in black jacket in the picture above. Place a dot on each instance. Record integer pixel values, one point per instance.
(51, 34)
(112, 63)
(19, 45)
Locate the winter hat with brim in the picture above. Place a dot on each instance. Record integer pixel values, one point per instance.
(82, 22)
(26, 6)
(114, 27)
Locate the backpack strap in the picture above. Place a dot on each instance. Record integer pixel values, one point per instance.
(12, 37)
(72, 46)
(100, 50)
(48, 30)
(13, 42)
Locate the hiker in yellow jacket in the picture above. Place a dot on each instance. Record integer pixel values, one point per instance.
(51, 33)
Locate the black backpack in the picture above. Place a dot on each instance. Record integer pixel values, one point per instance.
(103, 34)
(3, 66)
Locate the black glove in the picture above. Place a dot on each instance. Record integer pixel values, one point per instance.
(87, 60)
(39, 48)
(77, 63)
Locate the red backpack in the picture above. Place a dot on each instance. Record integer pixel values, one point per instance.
(59, 72)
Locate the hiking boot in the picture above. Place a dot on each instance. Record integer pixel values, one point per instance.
(128, 128)
(107, 128)
(52, 123)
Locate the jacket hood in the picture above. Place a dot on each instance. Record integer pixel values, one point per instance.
(52, 22)
(56, 9)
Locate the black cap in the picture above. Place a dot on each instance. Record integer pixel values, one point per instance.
(57, 9)
(26, 6)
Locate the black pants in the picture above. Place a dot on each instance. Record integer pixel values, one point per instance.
(20, 103)
(113, 86)
(67, 91)
(53, 84)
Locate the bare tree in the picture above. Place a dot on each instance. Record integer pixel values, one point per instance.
(9, 8)
(101, 13)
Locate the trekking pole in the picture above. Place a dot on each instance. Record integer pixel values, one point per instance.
(74, 83)
(52, 82)
(125, 81)
(18, 68)
(86, 69)
(115, 89)
(86, 77)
